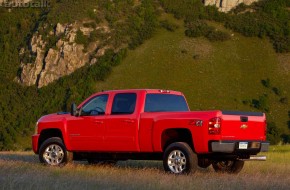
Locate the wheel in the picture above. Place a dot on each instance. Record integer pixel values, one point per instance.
(53, 152)
(228, 166)
(179, 158)
(102, 162)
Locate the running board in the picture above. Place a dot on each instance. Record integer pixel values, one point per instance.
(255, 158)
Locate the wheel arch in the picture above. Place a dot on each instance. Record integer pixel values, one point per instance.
(171, 135)
(48, 133)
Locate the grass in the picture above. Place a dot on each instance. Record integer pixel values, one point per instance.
(218, 75)
(22, 170)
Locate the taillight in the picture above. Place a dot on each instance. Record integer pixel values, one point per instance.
(214, 126)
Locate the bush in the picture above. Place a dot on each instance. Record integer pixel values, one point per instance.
(285, 138)
(273, 133)
(93, 36)
(192, 9)
(197, 28)
(218, 36)
(284, 100)
(281, 44)
(261, 103)
(200, 28)
(277, 91)
(143, 25)
(81, 38)
(266, 83)
(168, 26)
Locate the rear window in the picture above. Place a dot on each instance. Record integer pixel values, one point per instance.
(165, 103)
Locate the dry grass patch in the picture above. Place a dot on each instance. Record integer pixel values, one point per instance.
(196, 46)
(284, 62)
(22, 170)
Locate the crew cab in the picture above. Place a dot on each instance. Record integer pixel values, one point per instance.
(149, 124)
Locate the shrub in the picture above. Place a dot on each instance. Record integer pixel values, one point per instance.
(93, 36)
(281, 44)
(266, 83)
(285, 138)
(277, 91)
(218, 36)
(197, 28)
(81, 38)
(273, 133)
(284, 100)
(246, 102)
(168, 26)
(261, 103)
(200, 28)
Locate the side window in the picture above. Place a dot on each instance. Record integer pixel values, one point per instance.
(124, 103)
(96, 106)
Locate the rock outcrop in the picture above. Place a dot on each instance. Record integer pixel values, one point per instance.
(62, 58)
(227, 5)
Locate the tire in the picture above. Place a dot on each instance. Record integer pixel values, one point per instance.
(53, 152)
(178, 158)
(228, 166)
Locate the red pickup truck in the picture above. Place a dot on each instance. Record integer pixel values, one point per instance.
(150, 125)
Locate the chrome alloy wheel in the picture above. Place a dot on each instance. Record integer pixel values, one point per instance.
(53, 154)
(176, 161)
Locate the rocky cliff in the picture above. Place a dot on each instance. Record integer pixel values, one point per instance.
(227, 5)
(47, 64)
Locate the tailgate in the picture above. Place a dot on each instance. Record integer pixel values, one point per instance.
(243, 125)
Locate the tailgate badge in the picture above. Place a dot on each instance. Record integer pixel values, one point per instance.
(244, 126)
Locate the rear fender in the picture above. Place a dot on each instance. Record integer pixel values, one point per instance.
(161, 126)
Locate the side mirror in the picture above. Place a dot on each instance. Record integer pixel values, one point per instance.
(73, 110)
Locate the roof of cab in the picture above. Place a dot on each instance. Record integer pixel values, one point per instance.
(154, 91)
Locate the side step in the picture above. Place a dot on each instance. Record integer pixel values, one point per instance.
(255, 158)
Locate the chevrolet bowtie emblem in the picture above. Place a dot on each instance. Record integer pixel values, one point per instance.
(244, 126)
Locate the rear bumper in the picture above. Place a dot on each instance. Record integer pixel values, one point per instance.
(35, 143)
(254, 147)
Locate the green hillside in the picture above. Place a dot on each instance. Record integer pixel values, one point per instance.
(234, 61)
(223, 76)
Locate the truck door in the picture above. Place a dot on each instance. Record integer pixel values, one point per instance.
(122, 126)
(86, 132)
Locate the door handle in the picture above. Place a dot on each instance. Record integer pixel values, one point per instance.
(129, 121)
(98, 122)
